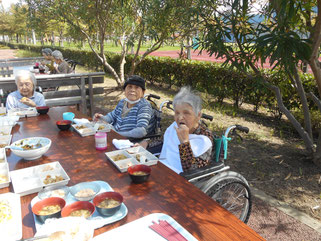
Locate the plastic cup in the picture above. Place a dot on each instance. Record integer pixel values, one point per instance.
(68, 116)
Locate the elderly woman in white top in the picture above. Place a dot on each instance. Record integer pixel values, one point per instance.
(25, 96)
(187, 143)
(63, 67)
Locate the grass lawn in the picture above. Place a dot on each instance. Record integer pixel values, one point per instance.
(112, 47)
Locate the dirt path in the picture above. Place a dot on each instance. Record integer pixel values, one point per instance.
(7, 53)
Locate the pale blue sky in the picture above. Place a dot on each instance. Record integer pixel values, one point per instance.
(6, 3)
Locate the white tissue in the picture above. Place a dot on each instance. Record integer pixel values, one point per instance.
(122, 144)
(81, 121)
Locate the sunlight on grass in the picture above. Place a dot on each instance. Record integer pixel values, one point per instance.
(111, 47)
(25, 53)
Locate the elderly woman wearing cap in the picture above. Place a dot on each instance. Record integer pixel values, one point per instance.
(63, 67)
(25, 96)
(187, 143)
(133, 116)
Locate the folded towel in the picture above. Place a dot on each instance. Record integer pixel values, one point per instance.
(81, 121)
(122, 144)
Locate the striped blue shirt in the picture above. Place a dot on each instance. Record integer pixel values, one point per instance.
(13, 100)
(140, 116)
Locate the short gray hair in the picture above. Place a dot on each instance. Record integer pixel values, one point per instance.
(47, 51)
(187, 96)
(25, 73)
(57, 55)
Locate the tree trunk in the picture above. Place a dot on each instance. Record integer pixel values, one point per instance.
(304, 102)
(317, 154)
(52, 39)
(34, 40)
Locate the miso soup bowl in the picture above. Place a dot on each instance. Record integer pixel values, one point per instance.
(79, 205)
(110, 195)
(139, 168)
(50, 201)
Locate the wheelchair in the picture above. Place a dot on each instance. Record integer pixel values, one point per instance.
(228, 188)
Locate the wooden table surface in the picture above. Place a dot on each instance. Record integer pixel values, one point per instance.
(165, 192)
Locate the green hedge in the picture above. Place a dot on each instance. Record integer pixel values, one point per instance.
(222, 83)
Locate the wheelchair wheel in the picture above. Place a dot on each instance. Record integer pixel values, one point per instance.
(222, 178)
(235, 197)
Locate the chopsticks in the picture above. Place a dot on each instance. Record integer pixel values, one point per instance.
(167, 231)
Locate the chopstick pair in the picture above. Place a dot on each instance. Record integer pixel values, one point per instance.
(167, 231)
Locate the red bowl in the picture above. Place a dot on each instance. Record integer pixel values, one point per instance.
(111, 195)
(64, 124)
(42, 109)
(139, 178)
(48, 202)
(66, 211)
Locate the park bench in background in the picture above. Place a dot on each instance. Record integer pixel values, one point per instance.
(82, 95)
(7, 65)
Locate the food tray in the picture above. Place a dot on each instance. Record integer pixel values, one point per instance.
(23, 112)
(96, 219)
(132, 156)
(3, 155)
(8, 120)
(11, 229)
(5, 140)
(32, 179)
(88, 129)
(5, 131)
(4, 175)
(139, 230)
(102, 127)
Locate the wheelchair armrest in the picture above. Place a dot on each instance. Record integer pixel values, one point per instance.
(212, 167)
(136, 140)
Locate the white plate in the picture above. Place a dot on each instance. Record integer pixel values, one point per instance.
(96, 220)
(8, 120)
(4, 174)
(5, 140)
(146, 158)
(3, 155)
(12, 229)
(87, 131)
(139, 230)
(123, 164)
(5, 131)
(30, 180)
(23, 112)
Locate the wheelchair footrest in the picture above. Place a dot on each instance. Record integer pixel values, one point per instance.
(211, 168)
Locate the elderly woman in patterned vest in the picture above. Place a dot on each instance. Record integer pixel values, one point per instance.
(187, 143)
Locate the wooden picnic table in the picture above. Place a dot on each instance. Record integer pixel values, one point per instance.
(165, 192)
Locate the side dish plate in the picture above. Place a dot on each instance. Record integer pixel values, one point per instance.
(125, 158)
(10, 217)
(32, 179)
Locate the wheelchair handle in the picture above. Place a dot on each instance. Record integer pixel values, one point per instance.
(153, 96)
(207, 117)
(242, 128)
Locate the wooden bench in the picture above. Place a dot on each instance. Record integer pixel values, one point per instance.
(82, 95)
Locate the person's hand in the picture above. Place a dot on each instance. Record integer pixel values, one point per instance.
(142, 144)
(28, 102)
(182, 133)
(97, 116)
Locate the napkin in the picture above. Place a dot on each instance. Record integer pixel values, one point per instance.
(81, 121)
(122, 144)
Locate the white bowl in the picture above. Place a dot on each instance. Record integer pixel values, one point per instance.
(32, 154)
